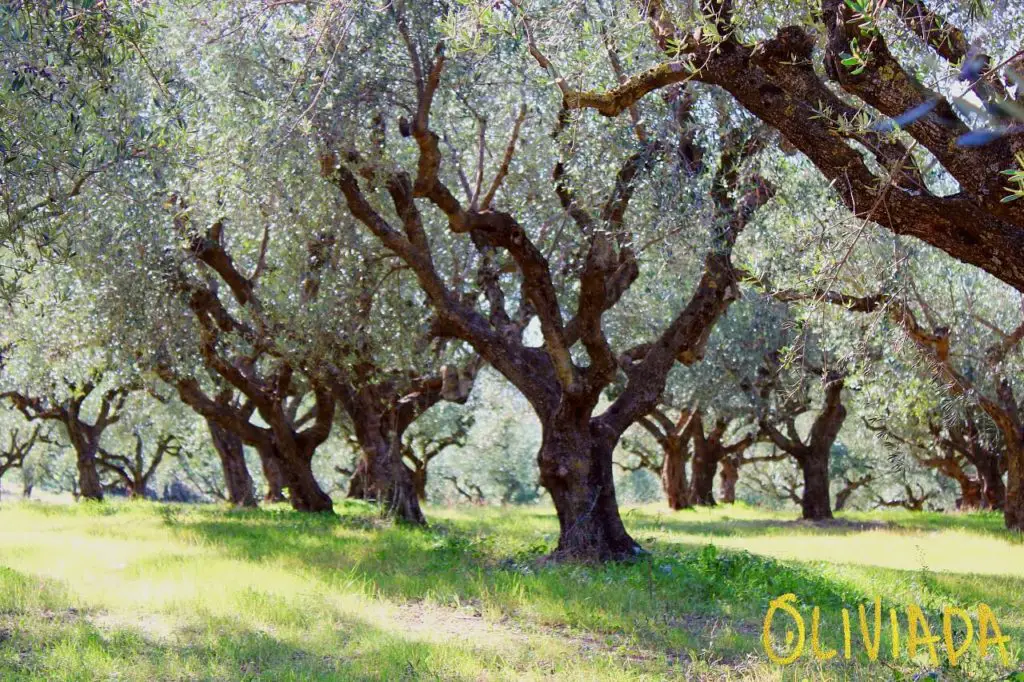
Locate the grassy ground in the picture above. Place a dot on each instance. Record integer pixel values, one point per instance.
(149, 592)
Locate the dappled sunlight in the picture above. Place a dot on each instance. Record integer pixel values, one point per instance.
(206, 589)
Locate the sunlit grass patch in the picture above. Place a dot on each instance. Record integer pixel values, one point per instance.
(178, 592)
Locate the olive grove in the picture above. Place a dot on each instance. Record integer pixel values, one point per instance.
(514, 252)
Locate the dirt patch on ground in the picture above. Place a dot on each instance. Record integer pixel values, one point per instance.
(468, 624)
(441, 622)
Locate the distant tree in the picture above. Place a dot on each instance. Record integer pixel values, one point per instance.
(65, 406)
(812, 451)
(134, 471)
(17, 448)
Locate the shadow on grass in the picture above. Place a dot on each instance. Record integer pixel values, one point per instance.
(695, 521)
(726, 527)
(45, 639)
(665, 602)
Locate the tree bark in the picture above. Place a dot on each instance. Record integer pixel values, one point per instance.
(85, 445)
(815, 503)
(673, 474)
(729, 475)
(304, 491)
(419, 482)
(232, 460)
(1013, 505)
(994, 490)
(970, 493)
(357, 483)
(702, 491)
(272, 475)
(576, 469)
(88, 477)
(379, 421)
(137, 489)
(706, 454)
(390, 481)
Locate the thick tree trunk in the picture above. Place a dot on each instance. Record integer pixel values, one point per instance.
(357, 489)
(390, 482)
(729, 475)
(89, 485)
(137, 490)
(705, 465)
(384, 476)
(673, 475)
(576, 469)
(304, 492)
(232, 460)
(1013, 511)
(970, 493)
(993, 488)
(1013, 506)
(815, 502)
(271, 468)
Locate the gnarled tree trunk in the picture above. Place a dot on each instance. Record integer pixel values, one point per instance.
(702, 486)
(815, 504)
(380, 417)
(86, 446)
(391, 482)
(576, 470)
(813, 455)
(271, 468)
(296, 468)
(232, 461)
(88, 477)
(707, 452)
(673, 474)
(1013, 504)
(385, 477)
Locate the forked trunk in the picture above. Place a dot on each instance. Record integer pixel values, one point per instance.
(729, 475)
(815, 502)
(673, 475)
(272, 475)
(576, 469)
(232, 461)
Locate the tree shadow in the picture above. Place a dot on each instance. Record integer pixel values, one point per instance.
(727, 527)
(48, 640)
(667, 602)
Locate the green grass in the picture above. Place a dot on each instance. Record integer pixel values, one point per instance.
(137, 591)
